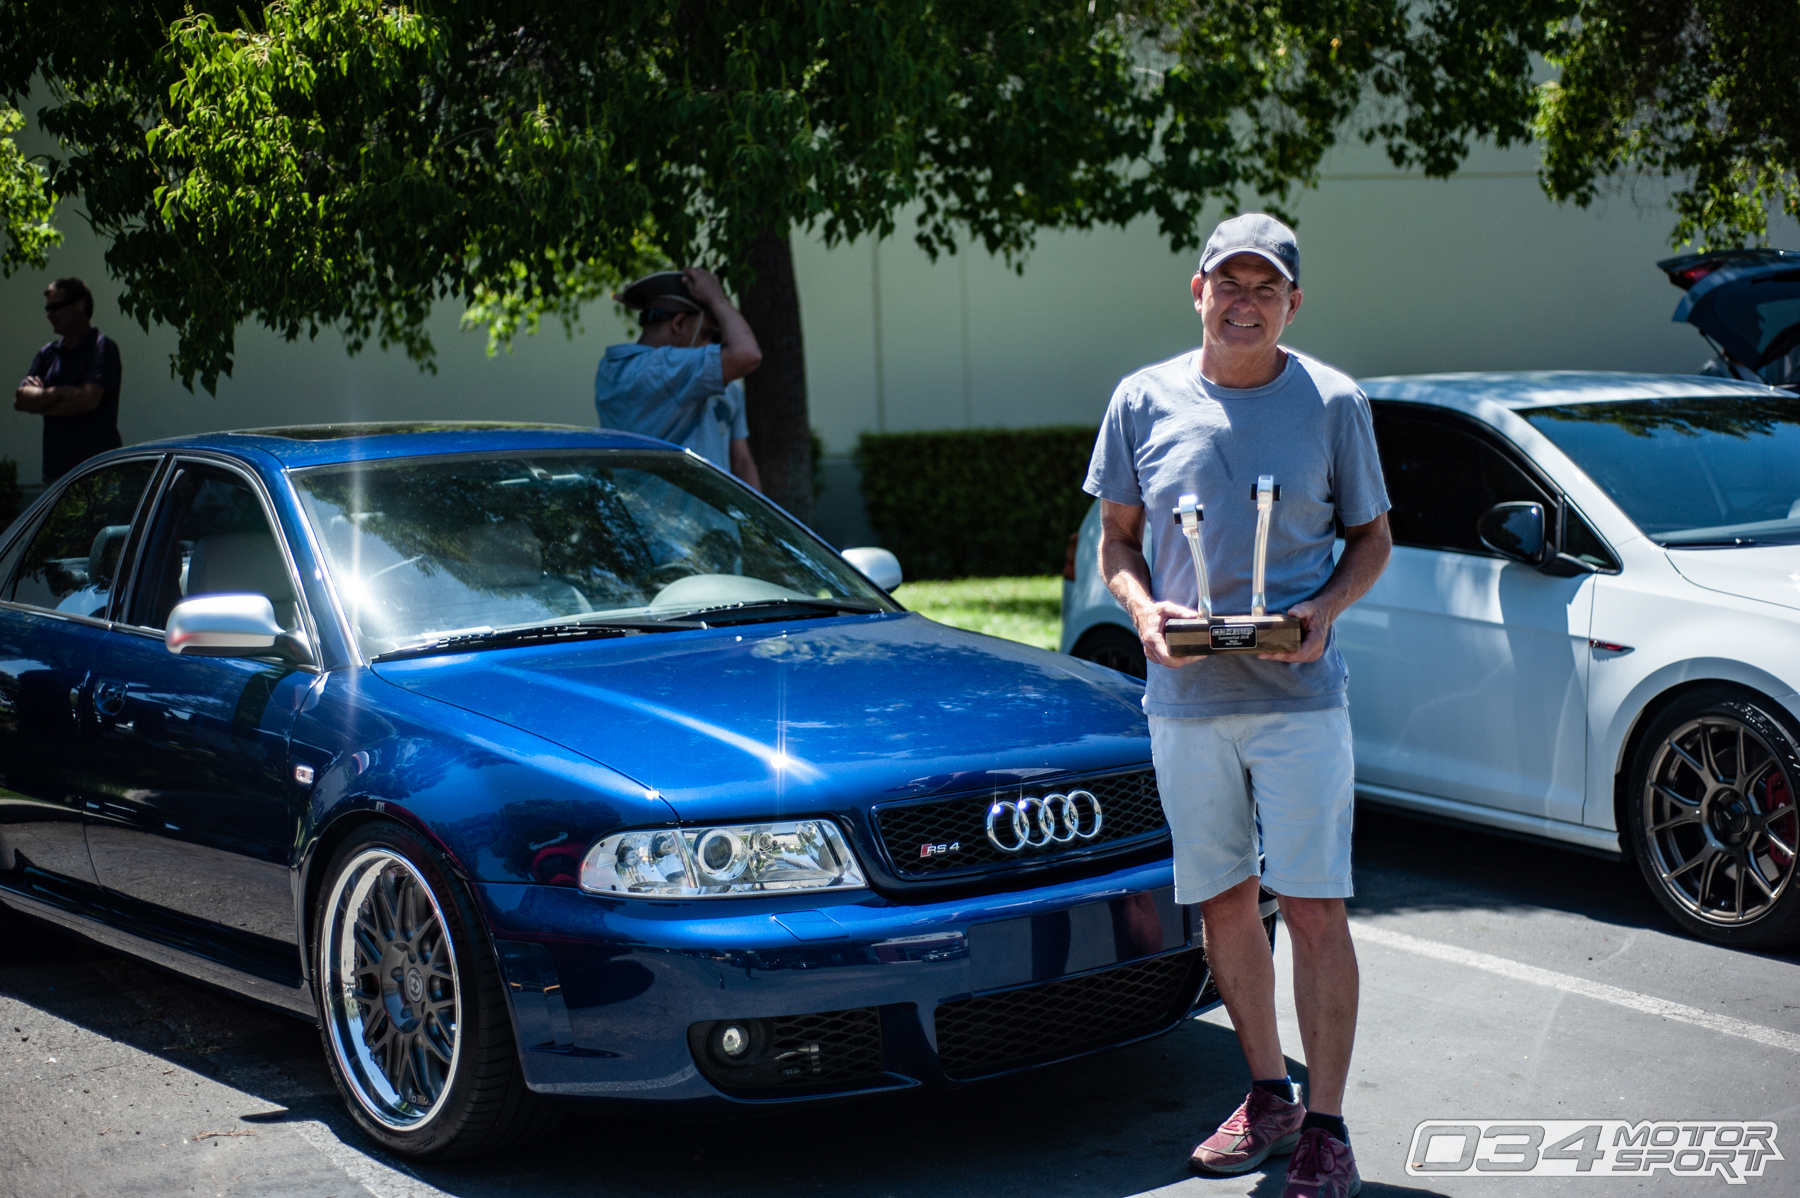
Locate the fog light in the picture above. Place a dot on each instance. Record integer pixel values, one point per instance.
(735, 1040)
(737, 1043)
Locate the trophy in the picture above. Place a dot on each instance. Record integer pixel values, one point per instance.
(1258, 632)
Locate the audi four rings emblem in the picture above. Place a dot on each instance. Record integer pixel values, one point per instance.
(1034, 823)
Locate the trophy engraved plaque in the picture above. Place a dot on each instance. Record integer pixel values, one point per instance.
(1258, 632)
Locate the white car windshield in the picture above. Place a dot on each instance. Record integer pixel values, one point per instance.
(1712, 472)
(432, 548)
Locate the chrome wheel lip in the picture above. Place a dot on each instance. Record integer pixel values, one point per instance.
(1722, 799)
(344, 1022)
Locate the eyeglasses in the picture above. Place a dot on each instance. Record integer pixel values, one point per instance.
(60, 304)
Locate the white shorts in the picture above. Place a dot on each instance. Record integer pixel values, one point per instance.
(1280, 785)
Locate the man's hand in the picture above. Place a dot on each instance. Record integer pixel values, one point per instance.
(1149, 620)
(31, 395)
(739, 354)
(704, 285)
(1315, 621)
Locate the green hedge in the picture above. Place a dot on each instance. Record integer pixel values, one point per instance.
(982, 503)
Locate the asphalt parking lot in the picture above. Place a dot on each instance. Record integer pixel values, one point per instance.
(1501, 980)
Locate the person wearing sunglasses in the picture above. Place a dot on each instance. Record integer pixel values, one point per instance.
(73, 383)
(682, 379)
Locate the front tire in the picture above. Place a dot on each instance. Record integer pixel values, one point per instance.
(414, 1019)
(1711, 810)
(1111, 646)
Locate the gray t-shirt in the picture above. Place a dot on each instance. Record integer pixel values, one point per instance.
(674, 393)
(1167, 432)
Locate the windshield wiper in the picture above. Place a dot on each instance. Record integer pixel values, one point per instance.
(535, 634)
(758, 609)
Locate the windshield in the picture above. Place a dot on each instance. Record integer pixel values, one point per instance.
(1710, 472)
(426, 547)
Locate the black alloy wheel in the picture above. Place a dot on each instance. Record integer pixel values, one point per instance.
(412, 1011)
(1711, 810)
(1111, 646)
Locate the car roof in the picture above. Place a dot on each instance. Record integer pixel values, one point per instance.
(1517, 390)
(297, 446)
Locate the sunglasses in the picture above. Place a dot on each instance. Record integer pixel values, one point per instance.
(59, 305)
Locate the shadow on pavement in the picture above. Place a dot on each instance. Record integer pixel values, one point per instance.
(1406, 865)
(1117, 1124)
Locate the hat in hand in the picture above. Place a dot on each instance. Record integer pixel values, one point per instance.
(665, 290)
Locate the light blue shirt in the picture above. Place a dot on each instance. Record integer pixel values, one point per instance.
(676, 394)
(1169, 431)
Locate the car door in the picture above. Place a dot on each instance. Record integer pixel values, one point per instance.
(193, 810)
(1469, 671)
(58, 584)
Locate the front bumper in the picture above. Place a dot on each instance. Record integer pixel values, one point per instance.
(605, 991)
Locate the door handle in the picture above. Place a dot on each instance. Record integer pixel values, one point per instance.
(109, 697)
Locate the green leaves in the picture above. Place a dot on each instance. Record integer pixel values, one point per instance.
(349, 164)
(1700, 92)
(26, 206)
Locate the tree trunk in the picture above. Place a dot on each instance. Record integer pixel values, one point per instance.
(775, 395)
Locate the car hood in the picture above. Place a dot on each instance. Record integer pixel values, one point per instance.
(1771, 573)
(806, 716)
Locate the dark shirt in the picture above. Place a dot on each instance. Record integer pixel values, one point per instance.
(72, 440)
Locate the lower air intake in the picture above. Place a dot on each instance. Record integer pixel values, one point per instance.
(979, 1036)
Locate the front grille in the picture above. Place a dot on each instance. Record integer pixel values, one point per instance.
(823, 1051)
(1129, 802)
(978, 1036)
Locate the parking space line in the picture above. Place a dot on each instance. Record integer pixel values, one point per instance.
(380, 1179)
(1569, 984)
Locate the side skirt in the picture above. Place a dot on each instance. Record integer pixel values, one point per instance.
(1596, 842)
(112, 929)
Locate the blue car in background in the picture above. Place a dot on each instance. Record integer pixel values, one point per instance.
(540, 763)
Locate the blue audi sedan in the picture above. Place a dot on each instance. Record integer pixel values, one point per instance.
(540, 764)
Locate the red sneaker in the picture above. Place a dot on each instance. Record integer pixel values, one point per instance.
(1322, 1167)
(1264, 1126)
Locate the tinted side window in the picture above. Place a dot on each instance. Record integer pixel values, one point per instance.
(211, 537)
(72, 560)
(1442, 475)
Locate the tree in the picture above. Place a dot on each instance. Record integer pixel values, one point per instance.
(350, 163)
(1700, 92)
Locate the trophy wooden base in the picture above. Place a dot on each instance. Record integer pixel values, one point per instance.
(1233, 634)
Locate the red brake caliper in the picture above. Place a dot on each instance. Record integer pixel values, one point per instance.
(1778, 801)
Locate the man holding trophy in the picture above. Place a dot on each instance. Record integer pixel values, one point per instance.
(1231, 464)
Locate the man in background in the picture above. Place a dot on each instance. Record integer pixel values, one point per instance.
(73, 383)
(681, 381)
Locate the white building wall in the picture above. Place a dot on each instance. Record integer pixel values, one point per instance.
(1400, 274)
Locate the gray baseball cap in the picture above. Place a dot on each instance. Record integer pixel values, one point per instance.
(1254, 233)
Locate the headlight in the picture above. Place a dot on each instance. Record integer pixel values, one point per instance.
(808, 854)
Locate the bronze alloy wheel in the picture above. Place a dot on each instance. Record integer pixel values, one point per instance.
(413, 1014)
(389, 977)
(1713, 817)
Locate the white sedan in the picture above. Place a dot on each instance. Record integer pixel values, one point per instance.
(1589, 631)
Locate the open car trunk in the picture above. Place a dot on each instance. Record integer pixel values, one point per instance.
(1747, 304)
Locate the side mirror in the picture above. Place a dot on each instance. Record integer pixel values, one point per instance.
(878, 565)
(1514, 530)
(223, 626)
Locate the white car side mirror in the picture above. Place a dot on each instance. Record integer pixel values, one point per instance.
(878, 565)
(222, 626)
